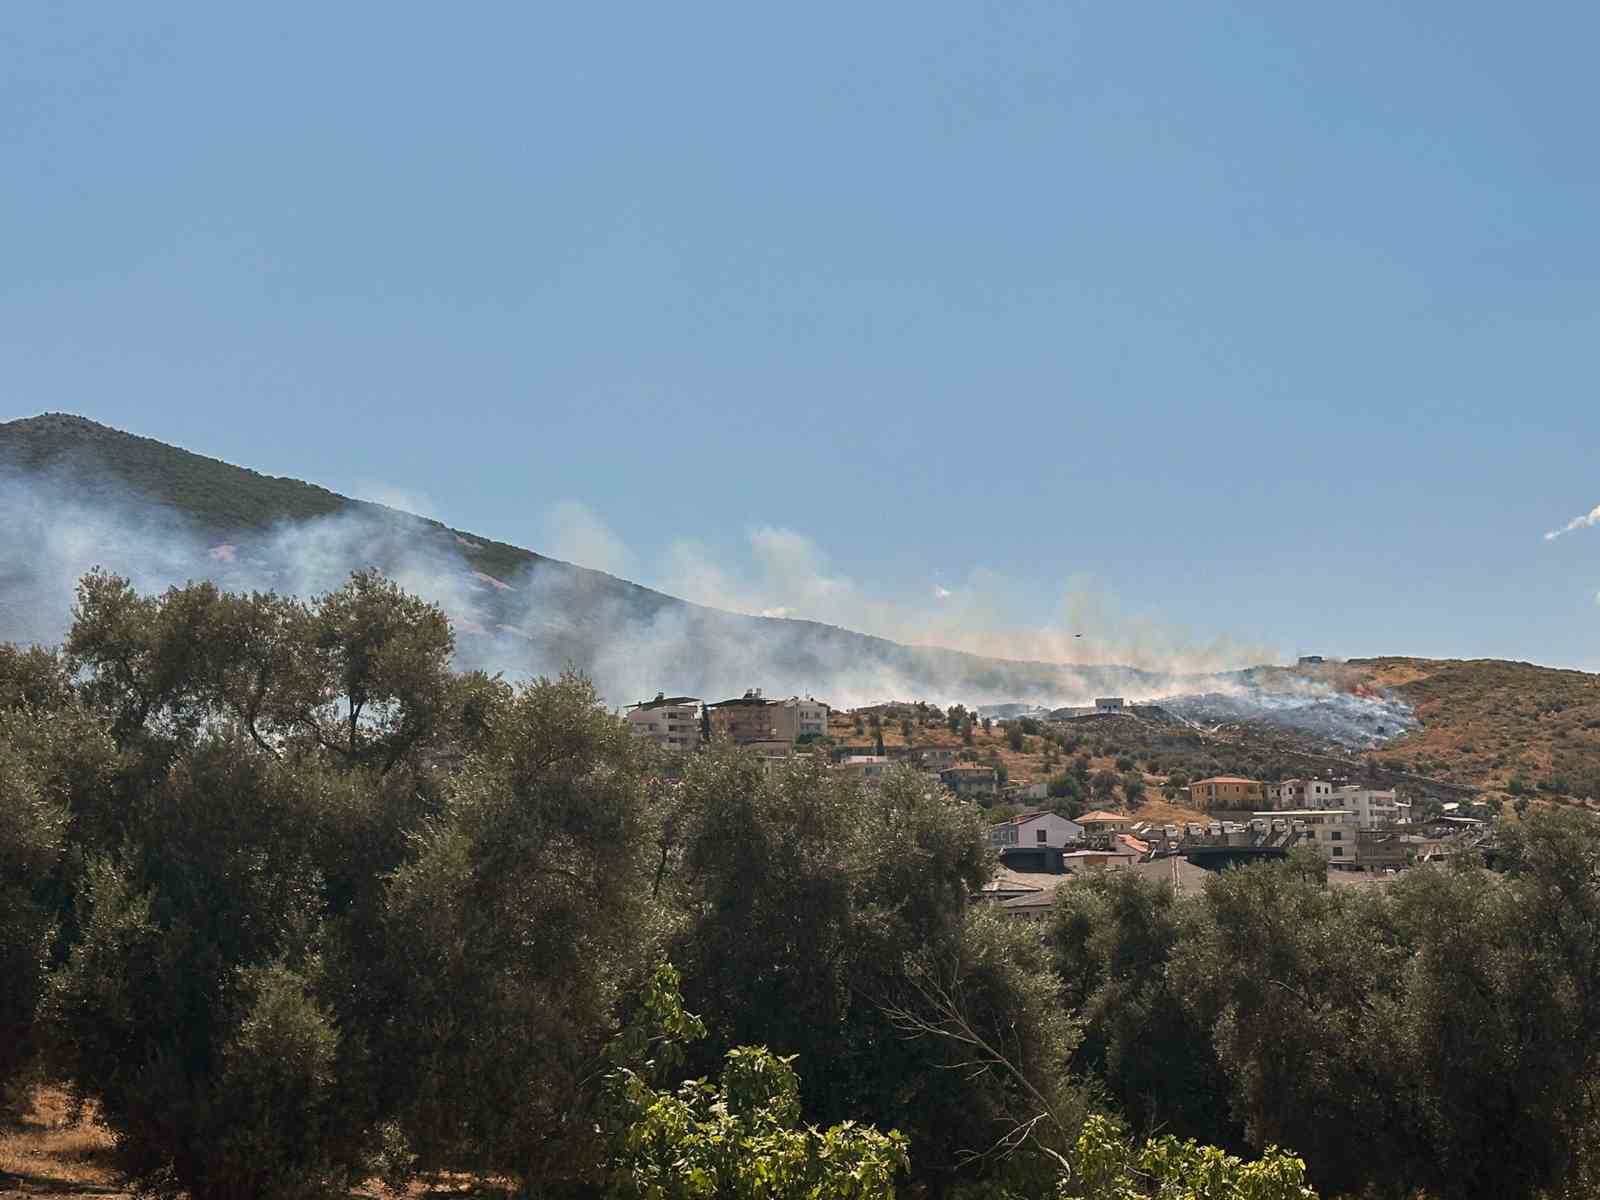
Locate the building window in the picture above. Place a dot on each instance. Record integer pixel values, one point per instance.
(1338, 851)
(1044, 836)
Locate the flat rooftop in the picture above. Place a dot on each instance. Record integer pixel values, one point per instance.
(1306, 812)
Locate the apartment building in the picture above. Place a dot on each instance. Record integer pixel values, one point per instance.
(1330, 831)
(807, 716)
(753, 718)
(1374, 808)
(748, 719)
(1227, 791)
(672, 722)
(1300, 793)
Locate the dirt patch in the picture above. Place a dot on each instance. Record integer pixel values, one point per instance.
(57, 1151)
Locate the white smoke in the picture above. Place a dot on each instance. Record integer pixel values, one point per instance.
(577, 535)
(632, 642)
(1587, 521)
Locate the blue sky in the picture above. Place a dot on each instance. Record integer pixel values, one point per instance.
(1250, 327)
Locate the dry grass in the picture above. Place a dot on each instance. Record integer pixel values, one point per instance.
(1487, 723)
(50, 1153)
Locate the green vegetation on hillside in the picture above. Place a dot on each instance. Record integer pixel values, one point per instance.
(295, 905)
(219, 497)
(1507, 727)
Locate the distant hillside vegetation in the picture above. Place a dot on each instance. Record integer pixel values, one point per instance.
(546, 614)
(1508, 726)
(215, 495)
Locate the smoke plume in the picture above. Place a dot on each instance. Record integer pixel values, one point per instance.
(1587, 521)
(783, 621)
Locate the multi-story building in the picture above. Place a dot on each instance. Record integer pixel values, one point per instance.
(748, 718)
(1299, 793)
(1374, 808)
(808, 716)
(1330, 831)
(1227, 791)
(754, 718)
(670, 721)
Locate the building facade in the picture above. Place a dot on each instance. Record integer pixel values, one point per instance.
(1330, 831)
(1227, 791)
(672, 722)
(1374, 808)
(797, 718)
(868, 768)
(1099, 821)
(1036, 829)
(970, 780)
(1300, 793)
(747, 719)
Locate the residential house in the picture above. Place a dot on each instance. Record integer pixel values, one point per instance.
(801, 718)
(1299, 793)
(1036, 829)
(1024, 895)
(672, 722)
(1227, 791)
(969, 780)
(936, 758)
(1099, 821)
(868, 768)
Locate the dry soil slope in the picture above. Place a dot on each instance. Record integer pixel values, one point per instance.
(1503, 726)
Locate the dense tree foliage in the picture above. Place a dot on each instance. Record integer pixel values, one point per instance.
(299, 904)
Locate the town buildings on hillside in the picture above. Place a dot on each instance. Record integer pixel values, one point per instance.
(754, 718)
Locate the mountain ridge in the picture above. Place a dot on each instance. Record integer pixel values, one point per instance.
(114, 467)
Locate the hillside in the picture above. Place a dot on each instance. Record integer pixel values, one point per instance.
(1507, 726)
(81, 494)
(90, 495)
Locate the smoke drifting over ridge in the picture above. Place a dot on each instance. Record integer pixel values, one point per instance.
(549, 615)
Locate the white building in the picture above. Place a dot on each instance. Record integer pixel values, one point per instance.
(1374, 808)
(800, 717)
(1330, 831)
(669, 721)
(1036, 829)
(1300, 793)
